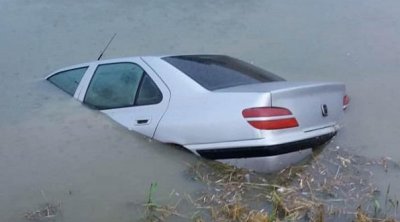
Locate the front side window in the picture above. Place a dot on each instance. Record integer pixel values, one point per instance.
(121, 85)
(68, 80)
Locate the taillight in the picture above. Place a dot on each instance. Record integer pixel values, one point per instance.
(346, 101)
(270, 118)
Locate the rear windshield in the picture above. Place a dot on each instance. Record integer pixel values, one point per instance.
(217, 71)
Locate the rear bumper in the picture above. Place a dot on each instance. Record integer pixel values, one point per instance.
(262, 151)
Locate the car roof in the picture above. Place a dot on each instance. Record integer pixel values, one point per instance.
(175, 80)
(111, 60)
(173, 75)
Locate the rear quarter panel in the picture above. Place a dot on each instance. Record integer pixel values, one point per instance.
(198, 116)
(209, 117)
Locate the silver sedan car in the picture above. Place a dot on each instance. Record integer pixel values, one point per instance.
(216, 106)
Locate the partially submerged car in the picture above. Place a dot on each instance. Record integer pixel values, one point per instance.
(216, 106)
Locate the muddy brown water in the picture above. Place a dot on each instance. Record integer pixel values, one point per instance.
(53, 148)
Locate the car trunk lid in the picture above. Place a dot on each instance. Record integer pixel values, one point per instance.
(315, 105)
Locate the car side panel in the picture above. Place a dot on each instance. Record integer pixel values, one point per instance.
(142, 119)
(209, 118)
(196, 115)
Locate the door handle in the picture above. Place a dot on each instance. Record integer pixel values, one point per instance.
(142, 121)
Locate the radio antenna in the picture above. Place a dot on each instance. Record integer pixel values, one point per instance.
(109, 42)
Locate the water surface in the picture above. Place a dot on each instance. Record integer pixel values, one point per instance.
(53, 148)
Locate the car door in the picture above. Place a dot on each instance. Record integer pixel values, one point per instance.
(129, 92)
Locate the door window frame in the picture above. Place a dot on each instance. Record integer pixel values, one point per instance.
(80, 93)
(137, 89)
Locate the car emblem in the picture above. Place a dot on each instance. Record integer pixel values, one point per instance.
(324, 110)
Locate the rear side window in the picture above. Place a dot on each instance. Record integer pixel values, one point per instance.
(148, 92)
(218, 71)
(68, 80)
